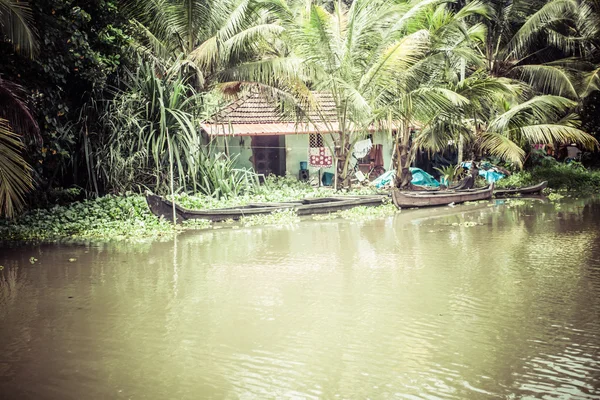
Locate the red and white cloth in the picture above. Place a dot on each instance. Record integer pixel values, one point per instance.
(320, 157)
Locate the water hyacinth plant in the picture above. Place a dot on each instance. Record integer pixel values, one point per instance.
(106, 218)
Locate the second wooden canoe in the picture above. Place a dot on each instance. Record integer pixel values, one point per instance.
(441, 198)
(533, 189)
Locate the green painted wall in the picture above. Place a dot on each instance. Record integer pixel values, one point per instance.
(237, 145)
(296, 150)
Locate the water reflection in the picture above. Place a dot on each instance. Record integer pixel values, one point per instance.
(478, 301)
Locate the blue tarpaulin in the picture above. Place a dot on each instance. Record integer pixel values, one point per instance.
(419, 177)
(422, 178)
(384, 179)
(489, 175)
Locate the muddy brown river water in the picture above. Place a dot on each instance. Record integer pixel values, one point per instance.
(471, 302)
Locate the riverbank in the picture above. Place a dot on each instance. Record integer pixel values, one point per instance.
(128, 218)
(561, 177)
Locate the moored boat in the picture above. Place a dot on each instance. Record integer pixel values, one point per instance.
(162, 207)
(533, 189)
(441, 198)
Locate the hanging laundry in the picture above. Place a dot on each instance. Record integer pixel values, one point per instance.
(362, 148)
(376, 155)
(319, 155)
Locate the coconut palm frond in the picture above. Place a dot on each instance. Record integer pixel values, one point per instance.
(477, 86)
(415, 10)
(474, 8)
(540, 109)
(249, 38)
(502, 147)
(15, 24)
(14, 110)
(206, 56)
(150, 44)
(591, 82)
(235, 21)
(549, 13)
(267, 71)
(552, 133)
(15, 173)
(549, 79)
(477, 32)
(436, 136)
(397, 58)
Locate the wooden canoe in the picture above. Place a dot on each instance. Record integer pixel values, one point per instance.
(441, 198)
(523, 190)
(162, 207)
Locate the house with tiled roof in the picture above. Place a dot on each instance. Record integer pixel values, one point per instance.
(273, 142)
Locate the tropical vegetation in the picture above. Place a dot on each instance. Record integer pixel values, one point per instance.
(113, 103)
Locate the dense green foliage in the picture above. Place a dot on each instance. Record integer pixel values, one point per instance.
(150, 127)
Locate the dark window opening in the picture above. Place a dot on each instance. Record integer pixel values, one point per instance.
(316, 140)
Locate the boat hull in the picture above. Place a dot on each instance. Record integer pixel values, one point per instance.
(164, 208)
(441, 198)
(534, 189)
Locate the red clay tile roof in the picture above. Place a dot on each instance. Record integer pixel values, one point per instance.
(256, 114)
(269, 128)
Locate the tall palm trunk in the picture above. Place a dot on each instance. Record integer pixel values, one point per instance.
(403, 157)
(342, 154)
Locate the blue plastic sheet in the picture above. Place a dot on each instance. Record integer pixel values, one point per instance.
(422, 178)
(419, 177)
(489, 175)
(384, 179)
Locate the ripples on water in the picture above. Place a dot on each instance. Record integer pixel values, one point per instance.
(417, 306)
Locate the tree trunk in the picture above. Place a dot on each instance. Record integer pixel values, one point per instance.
(343, 177)
(474, 170)
(403, 159)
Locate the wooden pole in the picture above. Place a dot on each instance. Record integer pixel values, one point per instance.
(172, 176)
(461, 139)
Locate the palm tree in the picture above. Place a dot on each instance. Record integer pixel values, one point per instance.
(428, 93)
(373, 65)
(214, 41)
(514, 99)
(15, 117)
(542, 45)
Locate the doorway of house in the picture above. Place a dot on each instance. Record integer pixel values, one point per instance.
(268, 155)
